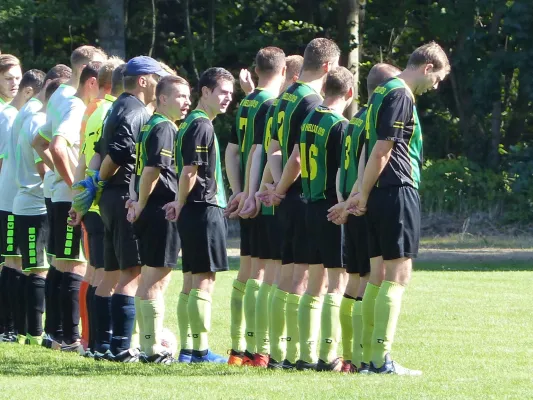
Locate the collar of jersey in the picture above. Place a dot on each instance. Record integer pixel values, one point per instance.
(37, 100)
(310, 87)
(2, 101)
(201, 112)
(166, 118)
(406, 87)
(110, 98)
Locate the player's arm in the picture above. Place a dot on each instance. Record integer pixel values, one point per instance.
(232, 167)
(79, 174)
(291, 172)
(39, 165)
(41, 143)
(255, 170)
(58, 150)
(275, 160)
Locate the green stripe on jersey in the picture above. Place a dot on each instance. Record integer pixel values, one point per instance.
(353, 142)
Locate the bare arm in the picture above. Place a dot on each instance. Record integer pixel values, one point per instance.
(41, 144)
(255, 165)
(186, 183)
(149, 178)
(79, 174)
(95, 162)
(108, 168)
(41, 169)
(58, 150)
(376, 163)
(232, 167)
(291, 172)
(274, 159)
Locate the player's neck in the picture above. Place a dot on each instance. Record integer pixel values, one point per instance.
(74, 81)
(40, 96)
(102, 92)
(18, 101)
(5, 99)
(80, 93)
(336, 104)
(312, 79)
(164, 112)
(203, 107)
(409, 78)
(270, 84)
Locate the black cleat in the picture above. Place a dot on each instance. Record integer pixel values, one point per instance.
(391, 367)
(287, 365)
(302, 365)
(164, 357)
(334, 366)
(127, 356)
(273, 364)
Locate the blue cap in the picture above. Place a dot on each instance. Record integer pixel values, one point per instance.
(144, 65)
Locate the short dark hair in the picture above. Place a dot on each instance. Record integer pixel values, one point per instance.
(52, 87)
(318, 52)
(378, 74)
(129, 82)
(90, 71)
(8, 61)
(210, 78)
(117, 83)
(430, 53)
(58, 71)
(165, 84)
(270, 60)
(33, 78)
(339, 81)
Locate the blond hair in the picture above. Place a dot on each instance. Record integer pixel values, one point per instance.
(106, 71)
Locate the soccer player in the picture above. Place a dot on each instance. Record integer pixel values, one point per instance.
(320, 56)
(30, 83)
(198, 209)
(63, 126)
(155, 186)
(355, 246)
(247, 131)
(31, 222)
(320, 148)
(389, 193)
(116, 151)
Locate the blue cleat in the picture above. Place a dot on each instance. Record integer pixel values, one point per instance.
(364, 369)
(184, 356)
(209, 357)
(391, 367)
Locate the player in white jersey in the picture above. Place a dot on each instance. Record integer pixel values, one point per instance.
(64, 116)
(10, 122)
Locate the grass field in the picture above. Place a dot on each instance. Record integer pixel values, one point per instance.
(467, 326)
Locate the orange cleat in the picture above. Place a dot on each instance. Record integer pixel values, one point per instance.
(348, 368)
(261, 360)
(248, 359)
(235, 358)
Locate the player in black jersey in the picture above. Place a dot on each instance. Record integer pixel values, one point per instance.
(321, 55)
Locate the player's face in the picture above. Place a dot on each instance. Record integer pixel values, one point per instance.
(431, 79)
(9, 82)
(149, 83)
(221, 96)
(179, 101)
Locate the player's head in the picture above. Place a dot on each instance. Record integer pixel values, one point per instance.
(83, 55)
(294, 66)
(379, 74)
(89, 80)
(173, 95)
(52, 87)
(105, 73)
(10, 76)
(321, 55)
(58, 71)
(30, 85)
(117, 80)
(270, 62)
(340, 84)
(429, 65)
(167, 68)
(216, 90)
(141, 76)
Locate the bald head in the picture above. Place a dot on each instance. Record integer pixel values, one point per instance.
(378, 74)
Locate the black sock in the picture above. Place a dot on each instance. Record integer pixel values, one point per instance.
(35, 293)
(90, 315)
(70, 310)
(102, 317)
(199, 353)
(349, 297)
(47, 293)
(15, 299)
(123, 317)
(5, 277)
(56, 324)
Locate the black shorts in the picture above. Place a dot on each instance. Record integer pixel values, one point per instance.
(294, 234)
(269, 239)
(355, 246)
(203, 230)
(50, 244)
(159, 241)
(393, 222)
(92, 222)
(32, 235)
(325, 238)
(245, 233)
(8, 235)
(67, 239)
(121, 248)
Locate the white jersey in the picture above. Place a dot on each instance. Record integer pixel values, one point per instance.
(64, 116)
(30, 197)
(8, 186)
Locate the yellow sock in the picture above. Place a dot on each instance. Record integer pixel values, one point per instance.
(367, 311)
(346, 327)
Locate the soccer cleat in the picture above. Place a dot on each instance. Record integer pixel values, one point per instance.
(273, 364)
(164, 357)
(127, 356)
(21, 339)
(88, 354)
(261, 360)
(34, 340)
(348, 367)
(75, 347)
(209, 357)
(334, 366)
(392, 367)
(287, 365)
(107, 356)
(302, 365)
(184, 356)
(248, 359)
(47, 341)
(364, 369)
(235, 358)
(9, 337)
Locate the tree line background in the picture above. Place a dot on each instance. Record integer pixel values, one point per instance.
(478, 127)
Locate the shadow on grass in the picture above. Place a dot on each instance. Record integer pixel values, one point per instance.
(474, 266)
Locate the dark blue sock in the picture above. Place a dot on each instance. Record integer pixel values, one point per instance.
(123, 316)
(8, 318)
(102, 317)
(70, 306)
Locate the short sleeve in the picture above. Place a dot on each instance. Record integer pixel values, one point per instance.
(45, 131)
(395, 113)
(70, 125)
(260, 123)
(337, 136)
(122, 146)
(308, 104)
(160, 145)
(196, 144)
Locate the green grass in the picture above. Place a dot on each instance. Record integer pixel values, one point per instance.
(469, 241)
(468, 327)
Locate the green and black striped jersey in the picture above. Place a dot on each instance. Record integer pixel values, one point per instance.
(320, 150)
(352, 146)
(197, 144)
(155, 148)
(267, 137)
(392, 116)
